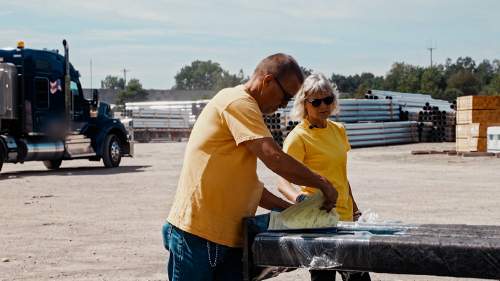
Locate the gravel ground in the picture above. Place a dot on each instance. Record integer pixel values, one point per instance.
(84, 222)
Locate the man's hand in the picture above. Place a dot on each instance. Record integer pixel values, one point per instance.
(290, 169)
(330, 194)
(301, 197)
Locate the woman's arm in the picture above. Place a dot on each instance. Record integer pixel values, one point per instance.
(355, 211)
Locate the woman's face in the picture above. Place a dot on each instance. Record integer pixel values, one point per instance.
(323, 110)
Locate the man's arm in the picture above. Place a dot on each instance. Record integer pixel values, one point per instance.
(270, 201)
(288, 190)
(290, 169)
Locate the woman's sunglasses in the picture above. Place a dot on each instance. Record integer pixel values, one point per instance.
(317, 102)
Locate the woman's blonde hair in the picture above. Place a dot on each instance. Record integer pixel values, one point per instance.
(314, 83)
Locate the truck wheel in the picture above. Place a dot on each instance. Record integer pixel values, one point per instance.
(112, 151)
(52, 164)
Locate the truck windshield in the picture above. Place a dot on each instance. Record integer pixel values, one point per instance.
(8, 74)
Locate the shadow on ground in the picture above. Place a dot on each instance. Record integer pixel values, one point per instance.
(74, 171)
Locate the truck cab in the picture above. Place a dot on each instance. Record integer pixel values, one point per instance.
(44, 115)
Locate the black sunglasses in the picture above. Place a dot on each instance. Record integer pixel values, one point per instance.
(286, 96)
(317, 102)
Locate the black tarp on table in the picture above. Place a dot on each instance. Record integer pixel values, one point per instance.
(443, 250)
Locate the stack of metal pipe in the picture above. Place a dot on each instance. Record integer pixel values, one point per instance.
(191, 108)
(162, 120)
(360, 110)
(409, 99)
(276, 124)
(381, 133)
(434, 124)
(380, 117)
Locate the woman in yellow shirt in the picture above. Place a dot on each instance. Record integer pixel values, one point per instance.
(322, 146)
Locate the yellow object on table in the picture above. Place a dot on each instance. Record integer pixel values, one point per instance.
(306, 214)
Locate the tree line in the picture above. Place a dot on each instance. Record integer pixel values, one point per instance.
(442, 81)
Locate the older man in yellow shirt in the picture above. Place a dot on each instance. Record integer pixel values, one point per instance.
(219, 186)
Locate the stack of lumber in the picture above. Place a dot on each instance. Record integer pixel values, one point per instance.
(474, 115)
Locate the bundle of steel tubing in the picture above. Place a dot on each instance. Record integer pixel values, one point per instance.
(358, 110)
(157, 108)
(409, 99)
(351, 112)
(276, 124)
(435, 125)
(381, 133)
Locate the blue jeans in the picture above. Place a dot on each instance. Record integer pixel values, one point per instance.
(193, 258)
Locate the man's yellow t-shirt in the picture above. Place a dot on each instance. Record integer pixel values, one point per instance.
(324, 151)
(218, 185)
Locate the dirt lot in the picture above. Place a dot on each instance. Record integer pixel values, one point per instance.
(85, 222)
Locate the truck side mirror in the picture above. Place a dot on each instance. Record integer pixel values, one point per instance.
(95, 98)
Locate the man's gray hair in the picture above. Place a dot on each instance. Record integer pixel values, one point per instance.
(314, 83)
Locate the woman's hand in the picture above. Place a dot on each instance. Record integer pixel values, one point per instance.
(357, 214)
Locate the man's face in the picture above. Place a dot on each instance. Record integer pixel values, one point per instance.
(278, 92)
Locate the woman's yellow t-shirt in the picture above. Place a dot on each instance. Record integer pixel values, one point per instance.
(324, 151)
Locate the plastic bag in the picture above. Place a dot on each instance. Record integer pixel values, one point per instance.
(306, 214)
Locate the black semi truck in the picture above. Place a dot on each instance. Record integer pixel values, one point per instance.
(44, 115)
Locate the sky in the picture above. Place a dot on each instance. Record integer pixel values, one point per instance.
(154, 39)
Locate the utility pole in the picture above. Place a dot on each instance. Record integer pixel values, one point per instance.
(91, 84)
(431, 48)
(125, 76)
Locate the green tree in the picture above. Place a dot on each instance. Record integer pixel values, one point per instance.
(433, 82)
(493, 89)
(451, 94)
(496, 66)
(133, 92)
(342, 82)
(403, 78)
(357, 84)
(485, 72)
(361, 91)
(465, 81)
(113, 82)
(206, 75)
(461, 64)
(226, 80)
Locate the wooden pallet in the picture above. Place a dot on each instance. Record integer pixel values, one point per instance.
(478, 102)
(475, 130)
(478, 116)
(471, 144)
